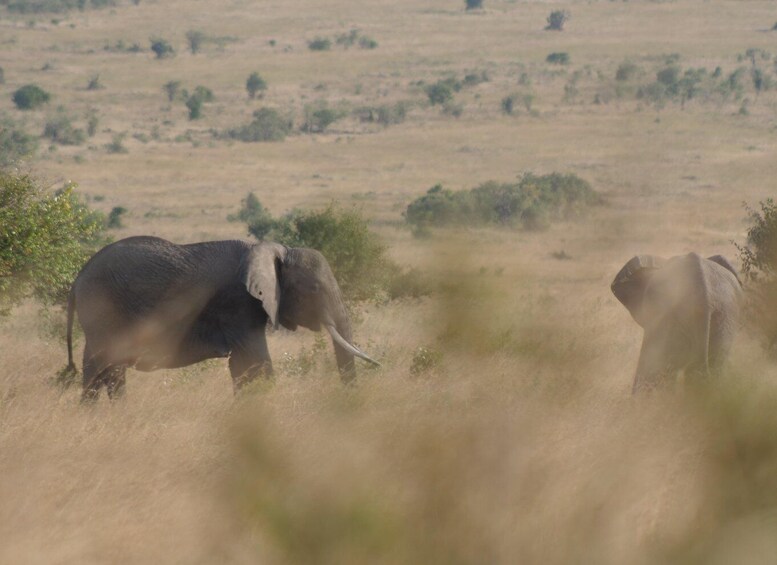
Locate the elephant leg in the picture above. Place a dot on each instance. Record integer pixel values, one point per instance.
(115, 381)
(93, 367)
(250, 361)
(654, 362)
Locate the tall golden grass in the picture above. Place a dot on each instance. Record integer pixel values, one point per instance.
(518, 441)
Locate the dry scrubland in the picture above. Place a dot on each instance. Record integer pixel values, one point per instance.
(522, 444)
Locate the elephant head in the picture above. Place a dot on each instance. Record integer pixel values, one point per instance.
(297, 288)
(630, 283)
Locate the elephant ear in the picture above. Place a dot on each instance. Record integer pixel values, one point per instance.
(723, 262)
(262, 276)
(630, 282)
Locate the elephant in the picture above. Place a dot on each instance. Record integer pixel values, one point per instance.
(688, 307)
(146, 303)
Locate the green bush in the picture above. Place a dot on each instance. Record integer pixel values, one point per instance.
(162, 48)
(367, 43)
(425, 360)
(59, 129)
(30, 96)
(2, 75)
(256, 217)
(356, 255)
(114, 218)
(117, 144)
(255, 84)
(44, 240)
(508, 104)
(319, 117)
(561, 58)
(473, 4)
(172, 89)
(320, 44)
(556, 20)
(267, 125)
(626, 71)
(759, 266)
(15, 143)
(195, 101)
(440, 92)
(531, 203)
(195, 39)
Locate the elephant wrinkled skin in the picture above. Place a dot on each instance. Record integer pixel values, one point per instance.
(689, 308)
(146, 303)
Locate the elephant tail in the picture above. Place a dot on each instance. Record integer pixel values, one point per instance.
(71, 306)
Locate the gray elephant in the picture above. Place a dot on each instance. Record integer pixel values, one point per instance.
(688, 307)
(146, 303)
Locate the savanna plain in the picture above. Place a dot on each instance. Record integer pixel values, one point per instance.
(500, 427)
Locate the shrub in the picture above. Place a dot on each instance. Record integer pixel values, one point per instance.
(759, 266)
(256, 217)
(2, 76)
(508, 104)
(255, 84)
(195, 39)
(367, 42)
(15, 143)
(55, 6)
(385, 114)
(556, 20)
(320, 44)
(44, 240)
(171, 89)
(626, 71)
(531, 203)
(347, 39)
(94, 83)
(474, 79)
(318, 118)
(91, 124)
(162, 48)
(558, 58)
(425, 359)
(267, 125)
(59, 129)
(117, 144)
(194, 102)
(30, 96)
(473, 4)
(356, 255)
(440, 92)
(114, 217)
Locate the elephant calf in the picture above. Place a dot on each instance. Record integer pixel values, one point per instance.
(688, 307)
(146, 303)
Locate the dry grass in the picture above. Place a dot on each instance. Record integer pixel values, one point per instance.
(523, 445)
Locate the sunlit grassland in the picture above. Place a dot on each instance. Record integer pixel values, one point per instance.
(522, 443)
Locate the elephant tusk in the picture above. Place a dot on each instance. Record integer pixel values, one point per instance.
(347, 346)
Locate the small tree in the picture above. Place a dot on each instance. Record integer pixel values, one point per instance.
(171, 89)
(94, 83)
(194, 105)
(561, 58)
(15, 143)
(59, 129)
(759, 266)
(256, 217)
(439, 93)
(2, 76)
(255, 84)
(195, 39)
(45, 238)
(317, 119)
(162, 48)
(114, 218)
(473, 4)
(30, 96)
(556, 20)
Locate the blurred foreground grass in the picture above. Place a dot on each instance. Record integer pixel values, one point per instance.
(511, 448)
